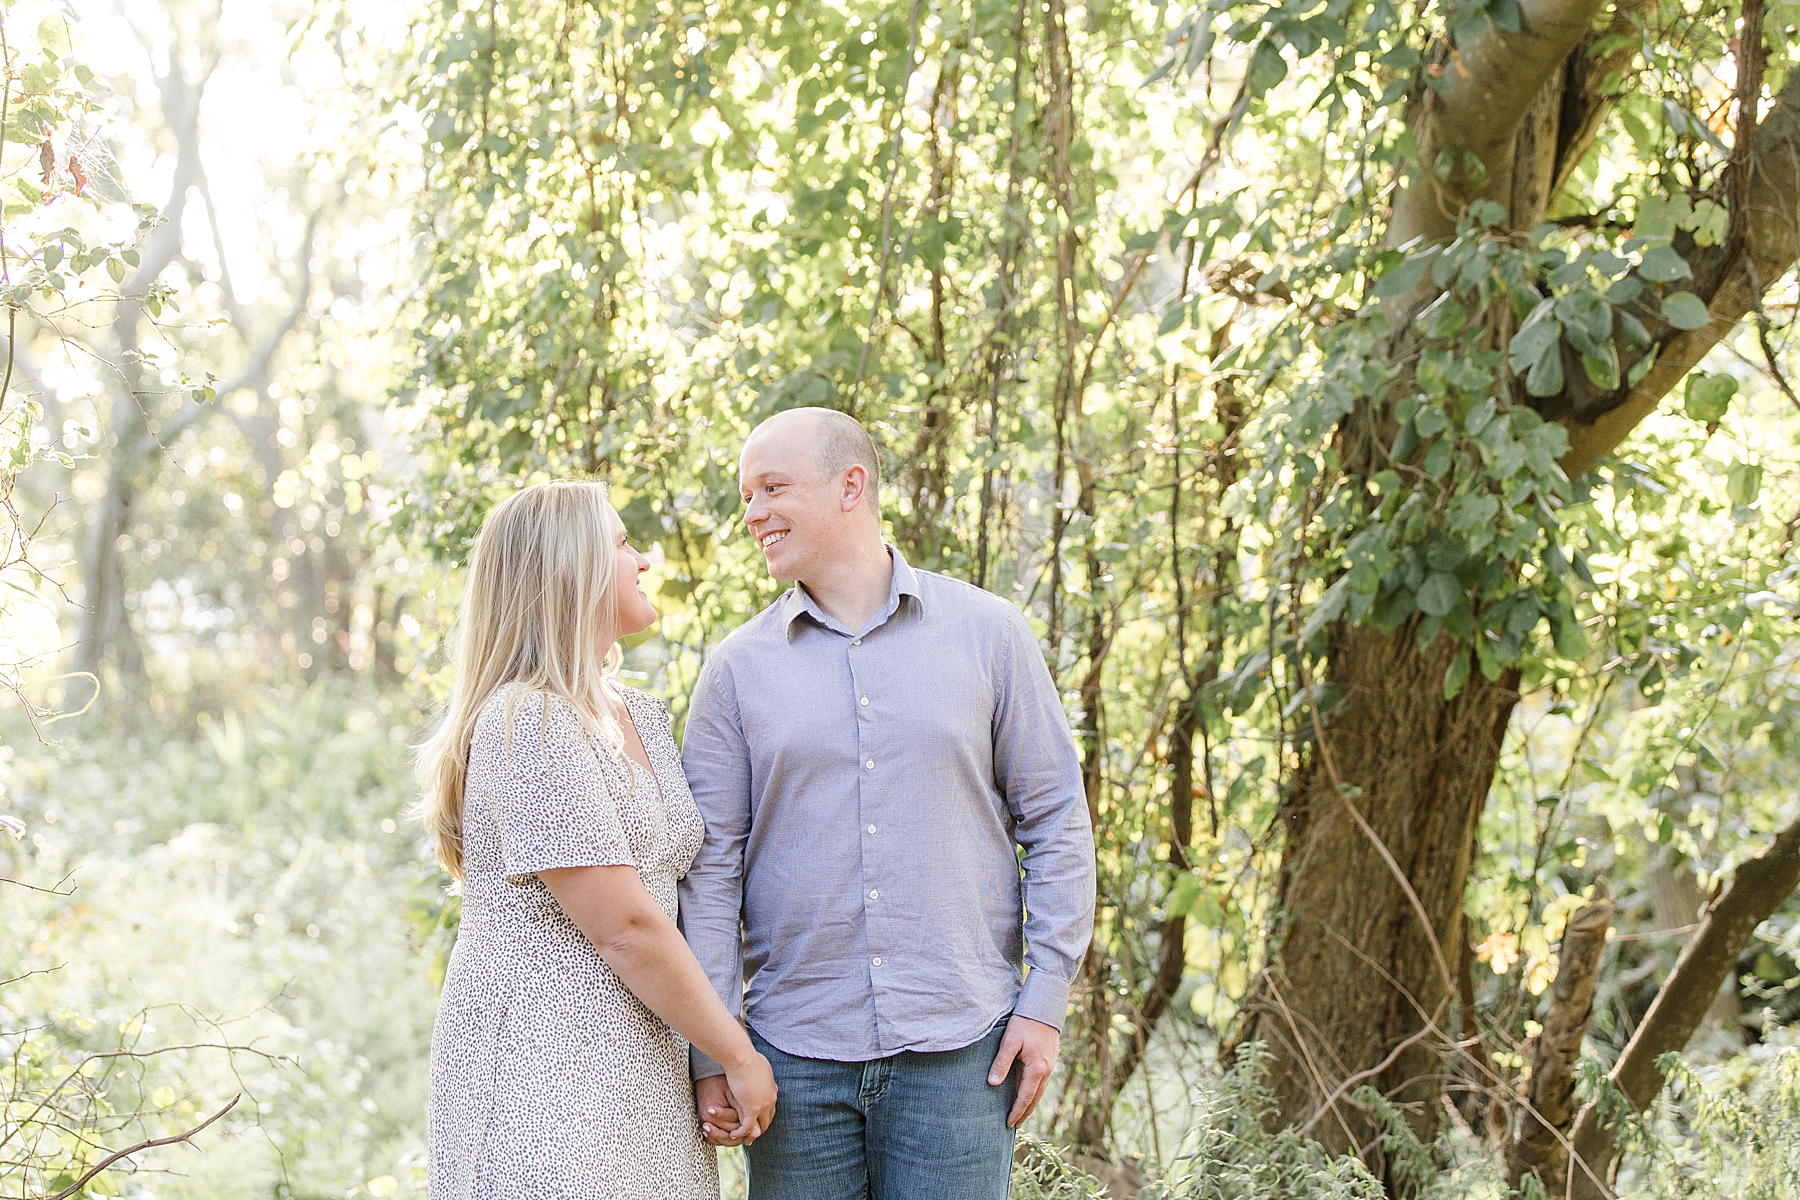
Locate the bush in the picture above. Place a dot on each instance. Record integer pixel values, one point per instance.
(246, 893)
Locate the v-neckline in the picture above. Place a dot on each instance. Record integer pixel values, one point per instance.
(646, 766)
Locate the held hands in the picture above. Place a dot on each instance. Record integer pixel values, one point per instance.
(1034, 1045)
(736, 1107)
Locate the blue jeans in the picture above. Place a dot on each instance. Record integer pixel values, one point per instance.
(898, 1128)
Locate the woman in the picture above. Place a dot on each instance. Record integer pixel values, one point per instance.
(559, 1067)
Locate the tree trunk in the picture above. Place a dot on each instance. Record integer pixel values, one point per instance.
(1358, 977)
(1541, 1148)
(102, 624)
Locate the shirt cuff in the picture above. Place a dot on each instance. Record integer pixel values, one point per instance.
(702, 1067)
(1043, 998)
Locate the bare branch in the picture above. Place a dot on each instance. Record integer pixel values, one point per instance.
(139, 1148)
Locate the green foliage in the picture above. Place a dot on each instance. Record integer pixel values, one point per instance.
(1110, 285)
(60, 254)
(243, 894)
(1228, 1154)
(1731, 1131)
(1112, 324)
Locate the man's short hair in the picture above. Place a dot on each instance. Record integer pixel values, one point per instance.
(843, 442)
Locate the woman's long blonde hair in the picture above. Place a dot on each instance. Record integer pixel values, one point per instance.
(538, 606)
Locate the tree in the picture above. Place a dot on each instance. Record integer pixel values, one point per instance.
(1382, 823)
(55, 252)
(1275, 358)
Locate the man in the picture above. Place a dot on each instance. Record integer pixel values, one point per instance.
(869, 753)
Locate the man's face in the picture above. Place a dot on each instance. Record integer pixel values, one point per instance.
(791, 511)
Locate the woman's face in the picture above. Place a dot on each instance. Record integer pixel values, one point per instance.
(632, 611)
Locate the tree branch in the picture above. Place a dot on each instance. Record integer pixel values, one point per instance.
(1735, 283)
(1542, 1147)
(1755, 890)
(151, 1144)
(1487, 88)
(253, 369)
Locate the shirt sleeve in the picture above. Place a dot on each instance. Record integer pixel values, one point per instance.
(1036, 770)
(551, 799)
(716, 759)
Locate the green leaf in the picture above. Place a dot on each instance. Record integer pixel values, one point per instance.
(1267, 67)
(1708, 397)
(1546, 378)
(1624, 291)
(1437, 459)
(1540, 329)
(1456, 676)
(1403, 278)
(1437, 595)
(1405, 442)
(1184, 894)
(1684, 310)
(53, 35)
(1570, 638)
(1661, 264)
(1443, 318)
(1602, 370)
(1743, 483)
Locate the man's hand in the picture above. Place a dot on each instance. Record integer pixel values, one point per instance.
(1034, 1044)
(718, 1110)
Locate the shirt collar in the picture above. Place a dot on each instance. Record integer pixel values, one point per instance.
(800, 602)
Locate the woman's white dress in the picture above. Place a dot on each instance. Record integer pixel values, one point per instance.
(549, 1079)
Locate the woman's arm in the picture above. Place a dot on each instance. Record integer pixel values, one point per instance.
(645, 950)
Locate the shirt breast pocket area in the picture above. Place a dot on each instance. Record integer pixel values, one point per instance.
(943, 699)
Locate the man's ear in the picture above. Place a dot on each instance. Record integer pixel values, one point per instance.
(856, 482)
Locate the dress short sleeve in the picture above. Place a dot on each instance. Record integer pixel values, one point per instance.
(550, 796)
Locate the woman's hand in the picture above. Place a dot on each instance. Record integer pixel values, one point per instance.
(752, 1085)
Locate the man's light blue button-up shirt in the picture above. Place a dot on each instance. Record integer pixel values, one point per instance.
(866, 795)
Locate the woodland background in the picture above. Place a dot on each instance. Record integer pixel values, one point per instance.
(1384, 411)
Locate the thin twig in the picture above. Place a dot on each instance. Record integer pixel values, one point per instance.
(150, 1144)
(57, 890)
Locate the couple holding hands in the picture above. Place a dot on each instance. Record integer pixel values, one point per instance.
(865, 879)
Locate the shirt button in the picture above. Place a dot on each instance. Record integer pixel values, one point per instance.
(858, 642)
(874, 894)
(876, 960)
(864, 701)
(870, 764)
(871, 829)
